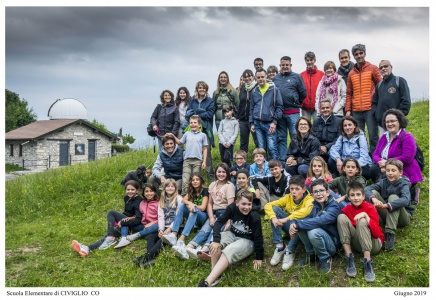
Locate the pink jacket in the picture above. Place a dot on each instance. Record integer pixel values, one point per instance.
(149, 211)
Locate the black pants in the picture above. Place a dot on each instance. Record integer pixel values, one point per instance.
(226, 154)
(244, 135)
(154, 246)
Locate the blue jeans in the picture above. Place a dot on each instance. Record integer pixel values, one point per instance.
(197, 217)
(206, 232)
(144, 232)
(285, 124)
(266, 140)
(317, 241)
(277, 231)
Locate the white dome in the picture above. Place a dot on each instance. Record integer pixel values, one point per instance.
(67, 108)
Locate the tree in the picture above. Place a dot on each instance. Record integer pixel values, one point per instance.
(17, 113)
(128, 139)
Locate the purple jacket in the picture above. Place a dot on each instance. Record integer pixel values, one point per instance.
(403, 148)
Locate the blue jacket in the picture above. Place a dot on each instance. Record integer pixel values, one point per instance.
(324, 218)
(206, 110)
(172, 164)
(327, 131)
(345, 147)
(292, 89)
(265, 108)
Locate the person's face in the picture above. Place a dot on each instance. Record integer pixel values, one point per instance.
(385, 68)
(350, 169)
(356, 197)
(271, 74)
(261, 78)
(326, 109)
(169, 146)
(310, 62)
(201, 91)
(229, 114)
(258, 64)
(167, 97)
(131, 191)
(195, 182)
(393, 173)
(241, 80)
(248, 78)
(359, 56)
(149, 194)
(392, 124)
(285, 66)
(349, 127)
(221, 174)
(182, 94)
(244, 205)
(223, 79)
(259, 159)
(239, 160)
(317, 168)
(242, 180)
(297, 191)
(148, 172)
(344, 58)
(275, 171)
(194, 125)
(303, 127)
(330, 71)
(320, 194)
(170, 189)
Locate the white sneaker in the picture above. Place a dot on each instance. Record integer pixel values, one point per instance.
(123, 243)
(169, 239)
(132, 237)
(107, 243)
(193, 252)
(277, 257)
(288, 260)
(181, 253)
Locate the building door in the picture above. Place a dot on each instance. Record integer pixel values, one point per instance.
(91, 150)
(63, 153)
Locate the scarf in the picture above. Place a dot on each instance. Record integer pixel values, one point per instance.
(346, 70)
(329, 84)
(250, 86)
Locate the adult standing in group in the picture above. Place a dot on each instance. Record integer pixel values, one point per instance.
(258, 63)
(326, 128)
(272, 71)
(225, 93)
(165, 117)
(170, 160)
(265, 110)
(346, 64)
(244, 111)
(333, 88)
(182, 100)
(203, 106)
(397, 143)
(350, 143)
(391, 92)
(293, 92)
(311, 77)
(361, 84)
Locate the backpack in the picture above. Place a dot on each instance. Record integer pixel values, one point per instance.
(232, 100)
(419, 155)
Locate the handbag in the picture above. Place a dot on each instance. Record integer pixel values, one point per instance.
(150, 130)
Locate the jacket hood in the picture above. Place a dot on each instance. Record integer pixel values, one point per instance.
(166, 153)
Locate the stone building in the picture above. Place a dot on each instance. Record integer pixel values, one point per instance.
(67, 138)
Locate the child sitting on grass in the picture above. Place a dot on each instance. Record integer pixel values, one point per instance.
(129, 218)
(241, 163)
(243, 238)
(242, 178)
(359, 229)
(318, 169)
(391, 197)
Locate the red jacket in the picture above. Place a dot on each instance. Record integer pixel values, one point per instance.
(351, 211)
(311, 80)
(149, 211)
(361, 86)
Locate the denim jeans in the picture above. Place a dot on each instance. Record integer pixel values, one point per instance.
(144, 232)
(284, 125)
(206, 232)
(277, 231)
(317, 241)
(244, 136)
(368, 118)
(112, 217)
(266, 140)
(197, 217)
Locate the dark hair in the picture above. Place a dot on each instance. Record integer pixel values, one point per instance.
(133, 183)
(319, 182)
(166, 138)
(285, 58)
(151, 187)
(162, 95)
(179, 100)
(309, 54)
(246, 194)
(226, 168)
(274, 163)
(348, 118)
(346, 160)
(342, 51)
(308, 123)
(247, 72)
(228, 107)
(243, 171)
(355, 185)
(297, 180)
(257, 59)
(402, 120)
(192, 193)
(261, 70)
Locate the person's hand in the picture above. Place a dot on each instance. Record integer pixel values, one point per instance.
(382, 163)
(203, 165)
(293, 230)
(272, 128)
(291, 161)
(212, 222)
(148, 225)
(252, 128)
(359, 216)
(167, 231)
(323, 150)
(348, 113)
(377, 203)
(191, 206)
(154, 128)
(257, 264)
(339, 164)
(276, 222)
(162, 179)
(214, 247)
(161, 233)
(233, 173)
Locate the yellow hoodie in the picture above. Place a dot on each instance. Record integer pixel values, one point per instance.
(293, 210)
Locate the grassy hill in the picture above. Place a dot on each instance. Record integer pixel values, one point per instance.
(45, 211)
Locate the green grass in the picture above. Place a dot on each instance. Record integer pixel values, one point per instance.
(45, 211)
(9, 168)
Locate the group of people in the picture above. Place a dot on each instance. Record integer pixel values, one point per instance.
(314, 190)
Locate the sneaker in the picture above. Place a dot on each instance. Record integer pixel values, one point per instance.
(79, 248)
(109, 241)
(193, 252)
(390, 241)
(288, 260)
(325, 265)
(203, 284)
(203, 255)
(415, 201)
(181, 253)
(216, 281)
(148, 262)
(277, 257)
(351, 268)
(132, 237)
(138, 260)
(307, 260)
(123, 243)
(368, 270)
(169, 239)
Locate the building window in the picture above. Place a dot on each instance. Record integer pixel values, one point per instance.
(11, 150)
(20, 152)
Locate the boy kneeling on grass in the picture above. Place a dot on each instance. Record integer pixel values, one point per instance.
(359, 230)
(391, 197)
(243, 238)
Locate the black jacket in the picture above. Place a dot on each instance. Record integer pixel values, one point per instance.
(327, 131)
(131, 208)
(244, 105)
(303, 150)
(167, 118)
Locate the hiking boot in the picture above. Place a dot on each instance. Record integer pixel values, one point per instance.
(203, 284)
(216, 281)
(79, 248)
(169, 239)
(148, 262)
(390, 241)
(288, 260)
(277, 257)
(307, 260)
(123, 243)
(192, 252)
(351, 268)
(415, 201)
(138, 260)
(109, 241)
(181, 253)
(132, 237)
(368, 270)
(325, 265)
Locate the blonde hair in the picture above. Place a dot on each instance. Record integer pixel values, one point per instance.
(164, 196)
(325, 171)
(205, 86)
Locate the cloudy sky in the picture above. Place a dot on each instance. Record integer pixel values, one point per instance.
(117, 60)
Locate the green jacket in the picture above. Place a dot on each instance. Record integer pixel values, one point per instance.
(222, 99)
(341, 183)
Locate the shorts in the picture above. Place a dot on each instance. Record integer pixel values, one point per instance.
(235, 248)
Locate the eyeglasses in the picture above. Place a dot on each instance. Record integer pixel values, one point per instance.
(319, 192)
(391, 121)
(303, 125)
(383, 67)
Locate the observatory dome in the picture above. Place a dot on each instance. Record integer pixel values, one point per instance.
(67, 108)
